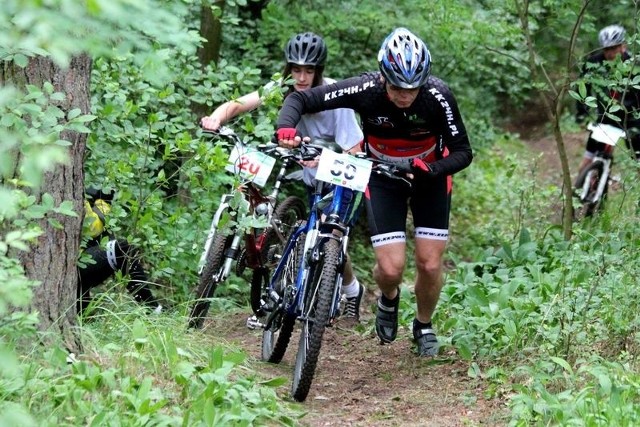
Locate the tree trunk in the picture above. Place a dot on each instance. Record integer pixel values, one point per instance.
(211, 31)
(52, 260)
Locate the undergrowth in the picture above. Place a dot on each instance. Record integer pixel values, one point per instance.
(136, 369)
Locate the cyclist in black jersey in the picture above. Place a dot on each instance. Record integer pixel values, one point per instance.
(410, 118)
(613, 49)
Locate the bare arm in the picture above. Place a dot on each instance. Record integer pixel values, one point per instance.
(231, 109)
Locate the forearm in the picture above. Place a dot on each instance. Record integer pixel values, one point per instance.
(231, 109)
(459, 158)
(226, 112)
(291, 112)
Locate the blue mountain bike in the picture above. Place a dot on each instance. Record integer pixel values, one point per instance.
(306, 283)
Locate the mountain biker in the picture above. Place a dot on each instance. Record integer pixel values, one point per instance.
(613, 49)
(305, 56)
(116, 255)
(410, 118)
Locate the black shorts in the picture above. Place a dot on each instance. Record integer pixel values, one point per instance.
(388, 202)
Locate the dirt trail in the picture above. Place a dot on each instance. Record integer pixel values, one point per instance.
(359, 382)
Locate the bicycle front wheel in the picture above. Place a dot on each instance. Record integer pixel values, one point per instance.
(319, 299)
(276, 337)
(208, 281)
(590, 178)
(287, 215)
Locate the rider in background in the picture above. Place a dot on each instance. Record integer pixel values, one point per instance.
(305, 56)
(116, 255)
(599, 65)
(410, 118)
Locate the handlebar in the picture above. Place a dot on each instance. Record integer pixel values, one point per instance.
(305, 151)
(390, 170)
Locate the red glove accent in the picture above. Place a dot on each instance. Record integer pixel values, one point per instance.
(286, 133)
(420, 165)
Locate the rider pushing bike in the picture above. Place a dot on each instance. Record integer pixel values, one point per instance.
(410, 118)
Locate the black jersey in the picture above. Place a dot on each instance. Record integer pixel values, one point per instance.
(597, 68)
(431, 128)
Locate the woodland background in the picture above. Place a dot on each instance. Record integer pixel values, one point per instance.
(109, 93)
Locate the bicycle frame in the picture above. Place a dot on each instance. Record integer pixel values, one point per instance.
(261, 208)
(257, 223)
(318, 229)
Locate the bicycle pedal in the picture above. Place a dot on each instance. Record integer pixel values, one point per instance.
(254, 323)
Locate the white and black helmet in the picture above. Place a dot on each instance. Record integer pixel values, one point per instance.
(306, 49)
(611, 36)
(404, 59)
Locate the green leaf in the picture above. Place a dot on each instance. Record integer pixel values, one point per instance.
(73, 113)
(274, 382)
(66, 208)
(562, 363)
(21, 60)
(582, 89)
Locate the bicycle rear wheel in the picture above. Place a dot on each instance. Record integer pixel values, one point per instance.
(290, 212)
(319, 299)
(208, 283)
(590, 179)
(276, 337)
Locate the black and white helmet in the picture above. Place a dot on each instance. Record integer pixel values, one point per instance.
(611, 36)
(306, 49)
(404, 59)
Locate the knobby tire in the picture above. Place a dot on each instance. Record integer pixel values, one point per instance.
(275, 340)
(207, 285)
(592, 173)
(320, 292)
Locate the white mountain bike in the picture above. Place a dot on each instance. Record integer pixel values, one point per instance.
(592, 183)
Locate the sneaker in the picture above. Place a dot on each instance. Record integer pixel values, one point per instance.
(352, 305)
(426, 340)
(387, 320)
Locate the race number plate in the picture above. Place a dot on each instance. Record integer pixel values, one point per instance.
(344, 170)
(606, 133)
(250, 164)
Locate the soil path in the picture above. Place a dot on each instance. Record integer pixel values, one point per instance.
(359, 382)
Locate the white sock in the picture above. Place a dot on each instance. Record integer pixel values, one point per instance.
(351, 290)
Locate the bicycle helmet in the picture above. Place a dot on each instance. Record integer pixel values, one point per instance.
(404, 59)
(306, 49)
(611, 36)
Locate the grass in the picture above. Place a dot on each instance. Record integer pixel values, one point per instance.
(140, 369)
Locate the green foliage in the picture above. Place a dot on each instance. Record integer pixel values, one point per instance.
(521, 305)
(142, 370)
(60, 29)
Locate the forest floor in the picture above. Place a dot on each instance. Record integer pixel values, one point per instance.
(359, 382)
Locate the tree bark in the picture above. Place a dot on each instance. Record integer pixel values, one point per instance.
(52, 259)
(211, 31)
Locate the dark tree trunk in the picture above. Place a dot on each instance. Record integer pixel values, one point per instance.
(211, 31)
(52, 260)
